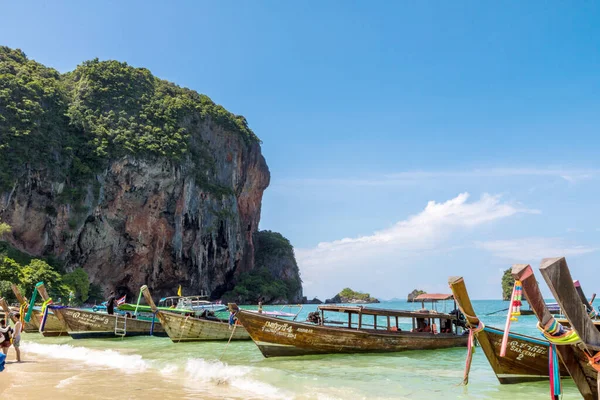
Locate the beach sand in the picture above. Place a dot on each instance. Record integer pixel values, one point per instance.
(41, 377)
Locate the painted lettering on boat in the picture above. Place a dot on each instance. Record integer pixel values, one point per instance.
(304, 330)
(278, 329)
(88, 319)
(524, 349)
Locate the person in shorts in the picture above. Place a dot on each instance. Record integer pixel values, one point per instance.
(16, 339)
(5, 336)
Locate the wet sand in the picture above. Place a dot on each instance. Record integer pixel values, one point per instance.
(50, 378)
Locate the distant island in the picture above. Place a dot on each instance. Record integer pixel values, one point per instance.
(412, 295)
(348, 295)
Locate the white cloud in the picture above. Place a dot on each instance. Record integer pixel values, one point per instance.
(574, 230)
(532, 249)
(388, 249)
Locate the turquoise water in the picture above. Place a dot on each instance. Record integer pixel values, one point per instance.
(193, 370)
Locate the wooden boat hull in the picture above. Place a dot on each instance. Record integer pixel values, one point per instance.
(278, 338)
(526, 358)
(84, 324)
(53, 327)
(190, 329)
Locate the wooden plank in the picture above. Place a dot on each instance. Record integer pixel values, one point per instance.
(558, 277)
(567, 354)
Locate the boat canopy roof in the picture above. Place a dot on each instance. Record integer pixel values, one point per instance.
(386, 312)
(433, 297)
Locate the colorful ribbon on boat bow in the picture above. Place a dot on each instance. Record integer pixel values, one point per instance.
(513, 313)
(471, 350)
(554, 373)
(516, 303)
(557, 335)
(45, 307)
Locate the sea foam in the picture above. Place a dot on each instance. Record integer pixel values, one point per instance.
(201, 372)
(98, 358)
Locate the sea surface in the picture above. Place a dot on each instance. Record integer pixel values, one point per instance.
(156, 368)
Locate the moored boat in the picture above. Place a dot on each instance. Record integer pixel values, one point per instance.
(84, 324)
(583, 338)
(32, 325)
(362, 331)
(45, 322)
(194, 327)
(526, 357)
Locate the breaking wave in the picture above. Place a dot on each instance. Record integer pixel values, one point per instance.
(98, 358)
(200, 371)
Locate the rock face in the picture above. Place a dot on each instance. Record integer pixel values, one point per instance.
(313, 301)
(143, 218)
(412, 295)
(148, 223)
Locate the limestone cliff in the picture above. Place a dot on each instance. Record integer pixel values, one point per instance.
(132, 178)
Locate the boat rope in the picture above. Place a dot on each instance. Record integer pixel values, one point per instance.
(229, 341)
(473, 331)
(513, 313)
(554, 373)
(181, 328)
(594, 362)
(44, 314)
(152, 326)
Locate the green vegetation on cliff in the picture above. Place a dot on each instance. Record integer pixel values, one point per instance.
(25, 271)
(348, 294)
(416, 292)
(275, 278)
(100, 111)
(508, 282)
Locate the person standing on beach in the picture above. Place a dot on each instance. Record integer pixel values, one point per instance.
(110, 304)
(5, 335)
(16, 340)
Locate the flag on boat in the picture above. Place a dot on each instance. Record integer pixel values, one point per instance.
(179, 291)
(121, 300)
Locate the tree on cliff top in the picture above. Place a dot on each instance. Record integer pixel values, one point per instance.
(350, 294)
(508, 282)
(276, 276)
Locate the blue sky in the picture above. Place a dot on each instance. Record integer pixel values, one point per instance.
(368, 111)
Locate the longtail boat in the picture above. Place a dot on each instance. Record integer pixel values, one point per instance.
(365, 333)
(44, 322)
(526, 358)
(584, 338)
(83, 324)
(32, 325)
(191, 328)
(570, 355)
